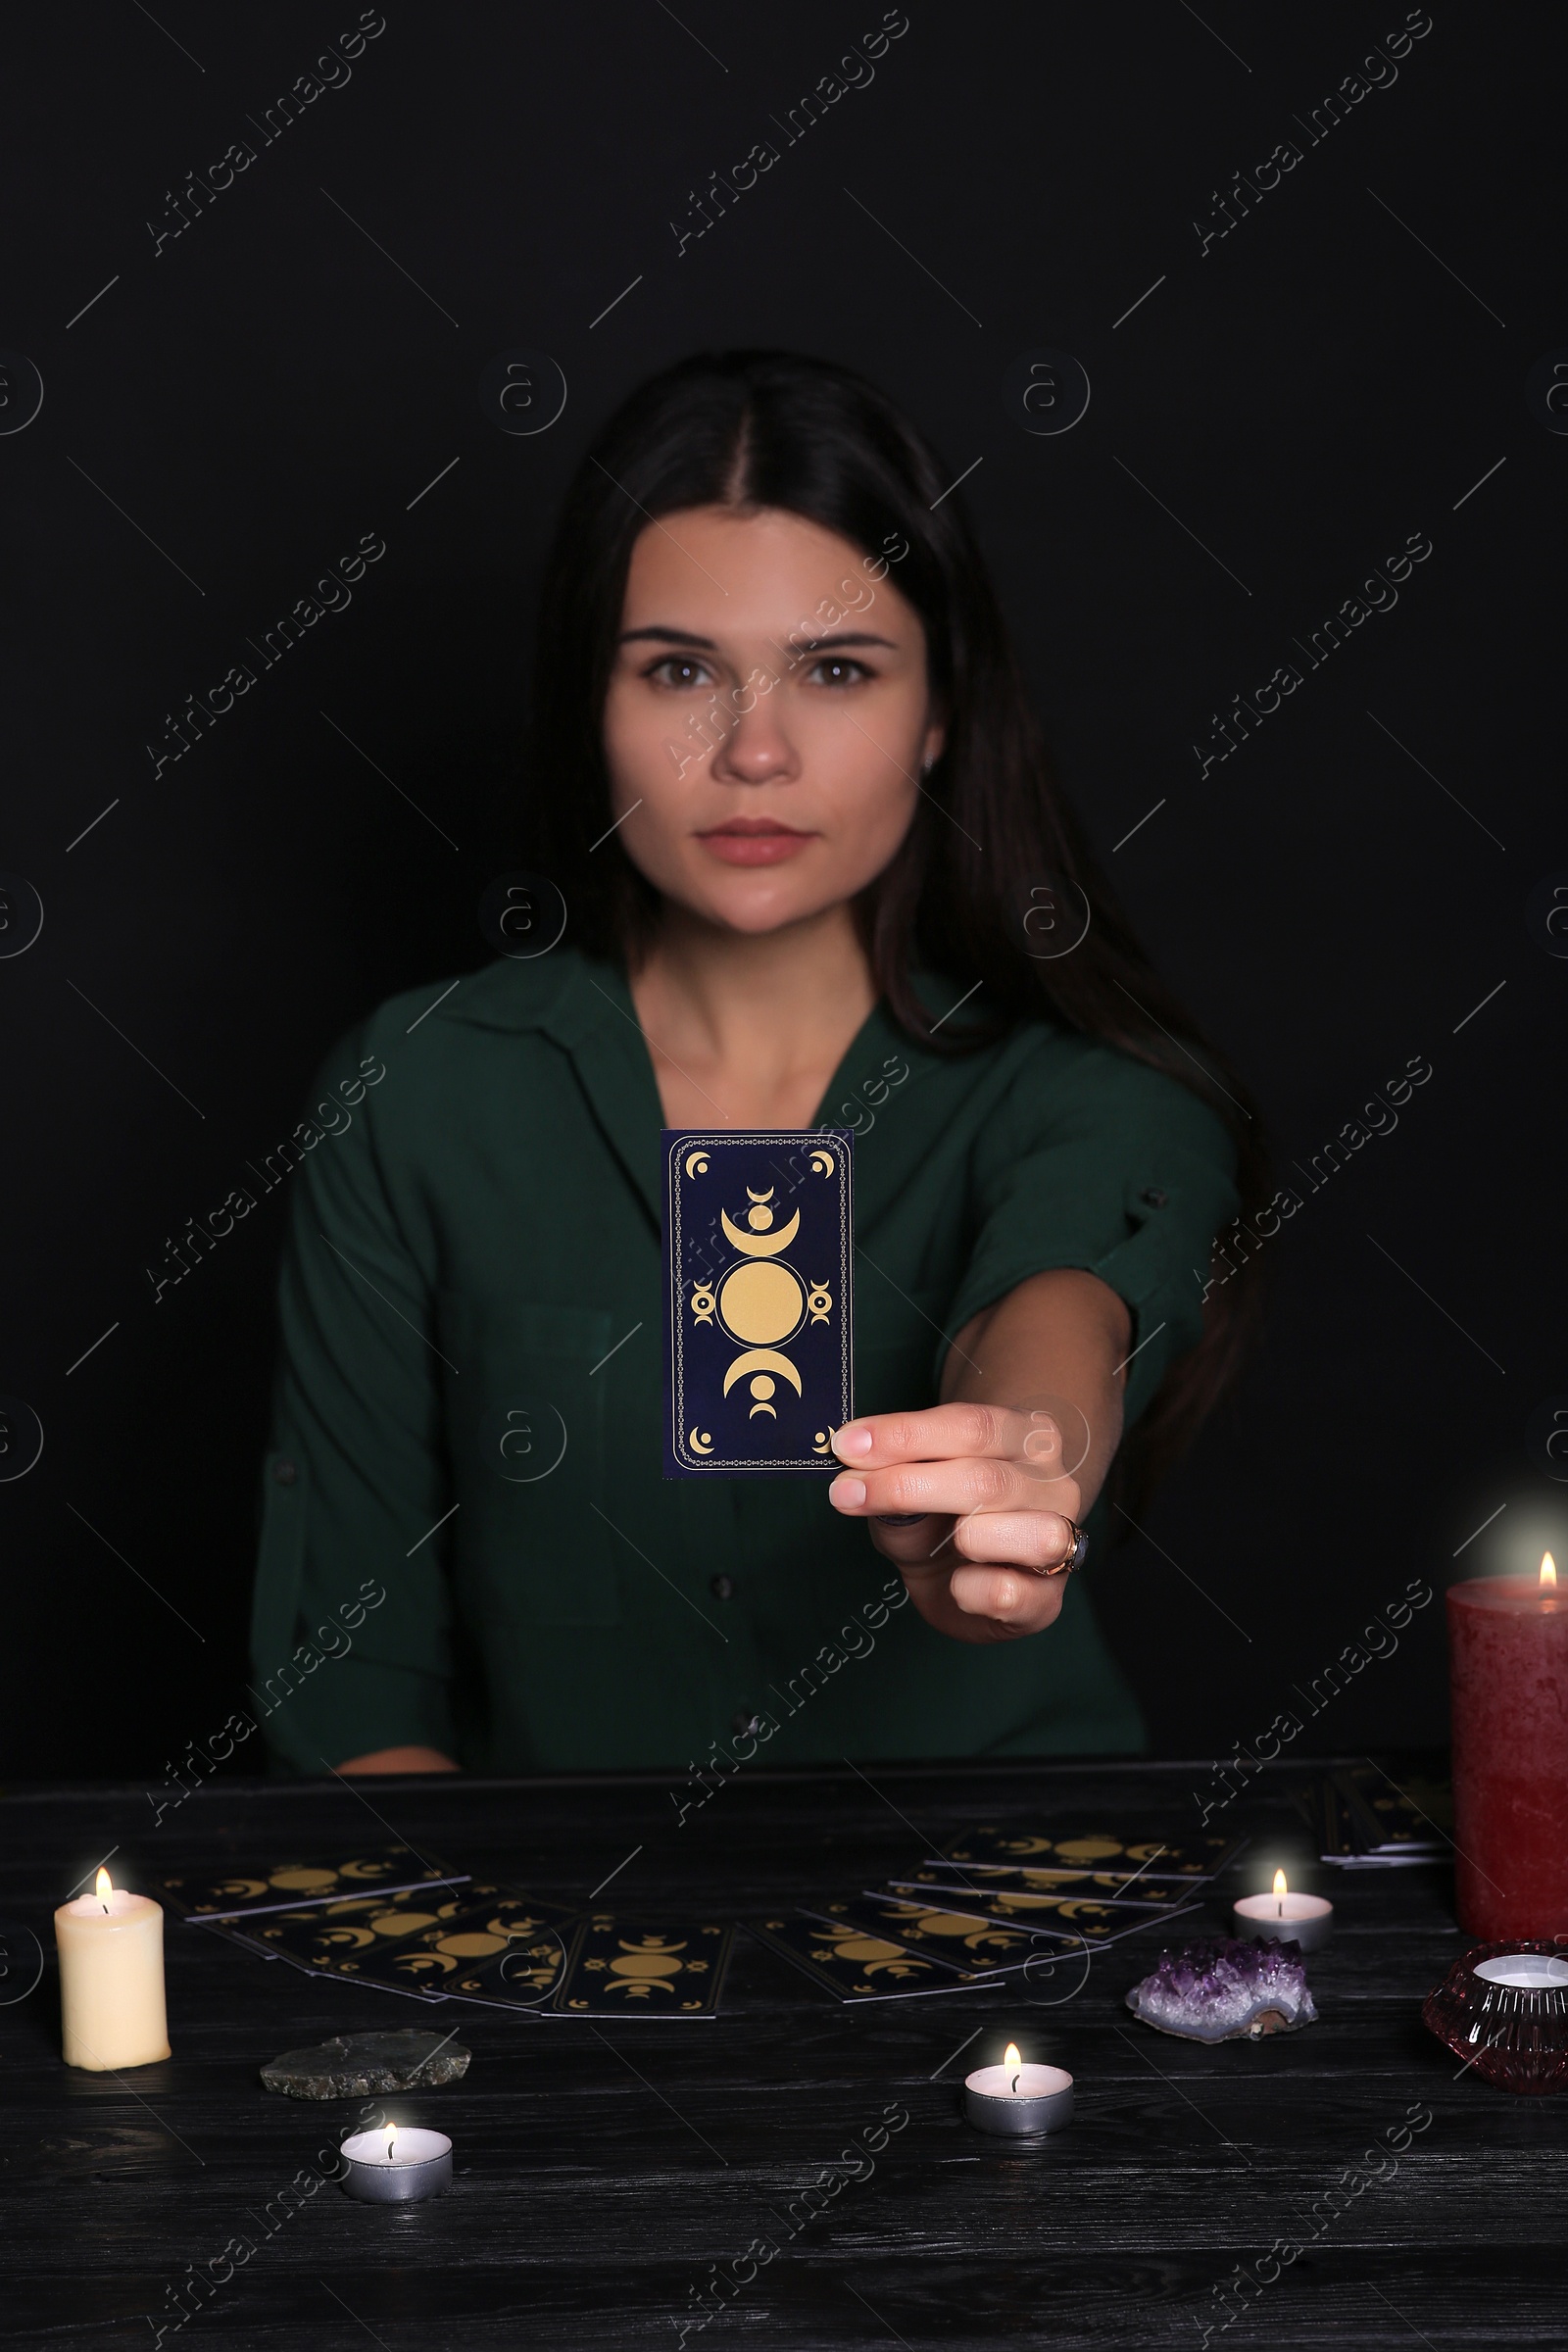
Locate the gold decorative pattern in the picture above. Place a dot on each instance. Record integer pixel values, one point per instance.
(751, 1292)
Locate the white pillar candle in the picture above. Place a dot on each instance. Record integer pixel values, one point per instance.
(1307, 1920)
(111, 1946)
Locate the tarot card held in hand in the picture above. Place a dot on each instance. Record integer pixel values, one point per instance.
(290, 1885)
(758, 1256)
(635, 1968)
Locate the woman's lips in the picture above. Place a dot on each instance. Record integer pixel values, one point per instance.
(754, 841)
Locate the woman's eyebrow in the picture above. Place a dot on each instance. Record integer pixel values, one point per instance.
(656, 629)
(817, 645)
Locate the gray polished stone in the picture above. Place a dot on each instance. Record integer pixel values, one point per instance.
(352, 2066)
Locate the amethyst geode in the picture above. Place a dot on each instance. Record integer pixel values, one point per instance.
(1218, 1990)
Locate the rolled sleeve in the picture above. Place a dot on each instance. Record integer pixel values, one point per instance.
(355, 1477)
(1112, 1168)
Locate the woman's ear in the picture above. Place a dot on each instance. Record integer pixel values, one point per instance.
(936, 736)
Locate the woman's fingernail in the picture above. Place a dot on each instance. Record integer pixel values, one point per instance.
(851, 1443)
(846, 1494)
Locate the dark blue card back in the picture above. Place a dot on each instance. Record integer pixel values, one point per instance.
(759, 1363)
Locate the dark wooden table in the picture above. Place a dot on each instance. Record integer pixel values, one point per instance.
(606, 2174)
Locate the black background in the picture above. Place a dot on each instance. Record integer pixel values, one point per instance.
(232, 414)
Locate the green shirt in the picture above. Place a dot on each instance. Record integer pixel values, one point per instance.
(475, 1232)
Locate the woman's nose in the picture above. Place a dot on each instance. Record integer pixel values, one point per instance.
(756, 751)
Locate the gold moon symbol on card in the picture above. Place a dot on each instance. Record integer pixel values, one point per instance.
(762, 1359)
(822, 1162)
(697, 1164)
(760, 1303)
(699, 1444)
(752, 1245)
(767, 1195)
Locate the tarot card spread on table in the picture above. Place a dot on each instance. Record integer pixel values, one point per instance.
(372, 1939)
(856, 1966)
(290, 1885)
(757, 1356)
(620, 1967)
(1096, 1851)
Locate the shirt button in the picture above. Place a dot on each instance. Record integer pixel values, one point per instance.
(722, 1588)
(742, 1723)
(284, 1472)
(1156, 1198)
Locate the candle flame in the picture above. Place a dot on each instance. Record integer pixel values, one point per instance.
(1280, 1886)
(104, 1888)
(1010, 2056)
(1549, 1569)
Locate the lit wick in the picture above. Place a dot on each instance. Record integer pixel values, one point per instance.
(391, 2128)
(1010, 2057)
(104, 1888)
(1549, 1569)
(1281, 1890)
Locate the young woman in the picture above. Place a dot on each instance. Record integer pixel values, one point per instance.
(815, 870)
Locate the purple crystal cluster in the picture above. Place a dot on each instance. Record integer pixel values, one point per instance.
(1219, 1990)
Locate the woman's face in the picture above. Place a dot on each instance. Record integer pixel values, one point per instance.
(768, 718)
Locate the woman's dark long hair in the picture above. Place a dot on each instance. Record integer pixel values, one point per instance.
(992, 832)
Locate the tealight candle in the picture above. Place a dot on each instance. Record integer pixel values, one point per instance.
(1525, 1972)
(1017, 2102)
(1305, 1919)
(396, 2166)
(111, 1946)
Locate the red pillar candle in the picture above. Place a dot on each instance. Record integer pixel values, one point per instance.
(1508, 1675)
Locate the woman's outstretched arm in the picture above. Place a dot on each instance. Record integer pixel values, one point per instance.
(970, 1499)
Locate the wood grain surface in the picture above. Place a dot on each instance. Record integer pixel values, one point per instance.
(611, 2176)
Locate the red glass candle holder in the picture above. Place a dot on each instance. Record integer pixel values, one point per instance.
(1503, 2008)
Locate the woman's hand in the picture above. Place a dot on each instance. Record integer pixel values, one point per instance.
(401, 1759)
(970, 1503)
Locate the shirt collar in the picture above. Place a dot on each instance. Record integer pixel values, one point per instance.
(585, 1006)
